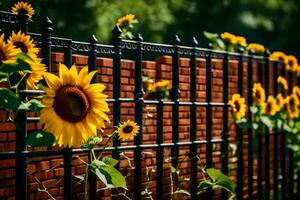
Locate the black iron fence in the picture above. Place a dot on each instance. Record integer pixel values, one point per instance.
(283, 173)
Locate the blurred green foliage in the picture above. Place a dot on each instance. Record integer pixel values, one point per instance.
(270, 22)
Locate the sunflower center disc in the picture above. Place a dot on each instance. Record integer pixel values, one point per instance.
(22, 11)
(127, 129)
(71, 103)
(22, 46)
(237, 105)
(2, 57)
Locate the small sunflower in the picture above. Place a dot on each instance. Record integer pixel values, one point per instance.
(8, 52)
(229, 37)
(282, 83)
(24, 43)
(258, 93)
(238, 106)
(292, 106)
(278, 56)
(291, 63)
(241, 41)
(257, 48)
(271, 106)
(296, 91)
(279, 101)
(23, 8)
(164, 84)
(127, 130)
(125, 20)
(152, 87)
(75, 109)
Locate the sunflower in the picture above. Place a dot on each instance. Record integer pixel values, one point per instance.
(8, 52)
(292, 103)
(23, 8)
(296, 91)
(291, 63)
(75, 109)
(125, 20)
(258, 94)
(238, 106)
(278, 55)
(229, 37)
(282, 83)
(241, 41)
(127, 130)
(164, 84)
(279, 101)
(257, 48)
(271, 106)
(24, 43)
(152, 87)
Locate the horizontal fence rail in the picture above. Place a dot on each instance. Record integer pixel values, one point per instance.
(267, 183)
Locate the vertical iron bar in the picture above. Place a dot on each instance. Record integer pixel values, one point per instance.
(250, 137)
(240, 135)
(67, 151)
(46, 42)
(21, 131)
(193, 118)
(283, 153)
(116, 85)
(92, 67)
(267, 135)
(290, 152)
(159, 149)
(260, 143)
(224, 149)
(208, 118)
(139, 104)
(275, 168)
(175, 99)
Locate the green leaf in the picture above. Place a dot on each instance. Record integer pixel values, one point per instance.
(267, 121)
(9, 100)
(110, 161)
(20, 65)
(40, 138)
(173, 169)
(255, 125)
(254, 109)
(279, 123)
(35, 105)
(210, 36)
(3, 78)
(182, 191)
(23, 56)
(204, 185)
(243, 123)
(110, 176)
(220, 180)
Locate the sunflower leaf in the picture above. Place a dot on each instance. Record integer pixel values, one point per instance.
(110, 176)
(9, 100)
(220, 180)
(20, 65)
(110, 161)
(23, 56)
(40, 139)
(35, 105)
(267, 121)
(204, 185)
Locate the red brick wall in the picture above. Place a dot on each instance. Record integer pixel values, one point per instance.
(49, 171)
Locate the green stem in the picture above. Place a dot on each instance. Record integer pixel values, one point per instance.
(111, 136)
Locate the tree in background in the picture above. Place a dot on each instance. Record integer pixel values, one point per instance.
(270, 22)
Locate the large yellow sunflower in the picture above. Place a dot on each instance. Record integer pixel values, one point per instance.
(257, 48)
(279, 101)
(292, 102)
(271, 106)
(282, 83)
(75, 109)
(25, 43)
(125, 20)
(127, 130)
(258, 93)
(237, 103)
(23, 8)
(7, 52)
